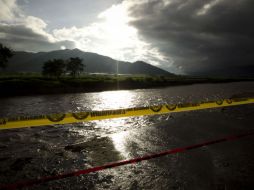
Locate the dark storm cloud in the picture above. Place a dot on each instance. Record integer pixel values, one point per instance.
(21, 38)
(200, 36)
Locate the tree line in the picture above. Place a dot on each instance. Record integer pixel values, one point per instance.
(52, 68)
(59, 67)
(5, 54)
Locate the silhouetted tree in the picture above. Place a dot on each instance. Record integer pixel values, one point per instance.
(55, 68)
(5, 54)
(75, 66)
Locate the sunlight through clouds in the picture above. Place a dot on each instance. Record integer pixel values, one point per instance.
(184, 37)
(111, 36)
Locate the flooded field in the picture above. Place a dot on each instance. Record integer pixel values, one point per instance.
(34, 152)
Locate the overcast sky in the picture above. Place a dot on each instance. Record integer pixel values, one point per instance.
(181, 36)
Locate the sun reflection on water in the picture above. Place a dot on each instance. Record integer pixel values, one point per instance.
(114, 100)
(119, 141)
(115, 129)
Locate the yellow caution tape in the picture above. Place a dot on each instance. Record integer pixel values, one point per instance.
(64, 118)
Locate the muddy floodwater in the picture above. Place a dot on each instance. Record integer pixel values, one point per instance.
(34, 152)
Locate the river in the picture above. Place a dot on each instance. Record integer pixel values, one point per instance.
(34, 152)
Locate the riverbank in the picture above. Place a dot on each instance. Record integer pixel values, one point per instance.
(21, 85)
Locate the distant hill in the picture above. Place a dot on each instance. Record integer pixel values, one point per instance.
(95, 63)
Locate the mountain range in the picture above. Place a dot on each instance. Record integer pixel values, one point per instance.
(94, 63)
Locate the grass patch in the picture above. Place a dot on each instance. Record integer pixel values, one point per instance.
(34, 83)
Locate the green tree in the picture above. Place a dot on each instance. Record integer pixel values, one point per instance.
(75, 66)
(5, 54)
(54, 68)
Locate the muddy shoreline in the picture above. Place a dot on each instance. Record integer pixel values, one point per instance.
(28, 88)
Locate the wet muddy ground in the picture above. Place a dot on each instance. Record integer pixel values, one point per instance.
(44, 151)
